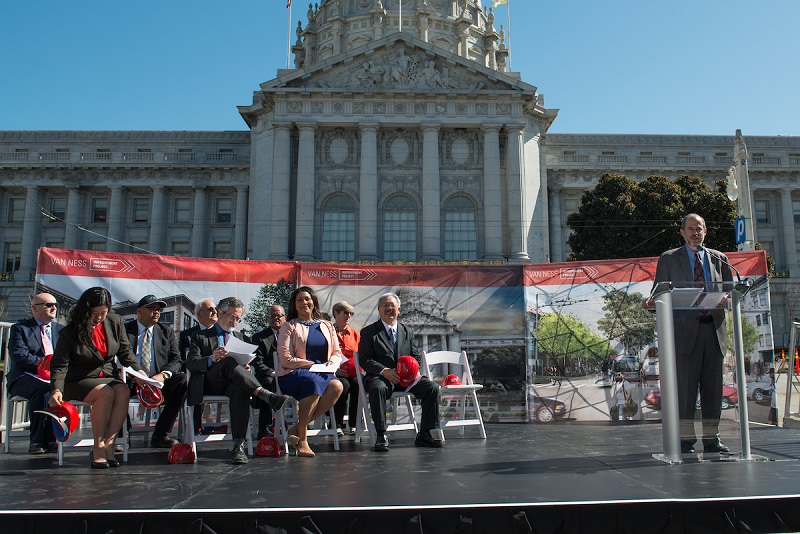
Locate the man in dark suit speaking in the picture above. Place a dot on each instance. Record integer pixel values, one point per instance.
(382, 343)
(29, 342)
(700, 335)
(156, 348)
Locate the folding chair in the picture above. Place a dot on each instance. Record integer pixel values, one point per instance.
(464, 392)
(365, 423)
(16, 421)
(78, 439)
(188, 414)
(320, 426)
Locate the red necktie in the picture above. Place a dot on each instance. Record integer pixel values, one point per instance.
(699, 273)
(46, 344)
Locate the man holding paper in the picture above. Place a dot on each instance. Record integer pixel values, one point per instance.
(216, 370)
(156, 348)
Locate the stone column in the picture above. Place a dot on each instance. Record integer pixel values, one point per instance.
(72, 218)
(158, 220)
(517, 249)
(304, 226)
(198, 244)
(557, 238)
(431, 194)
(279, 224)
(116, 219)
(492, 199)
(240, 231)
(368, 194)
(789, 235)
(31, 236)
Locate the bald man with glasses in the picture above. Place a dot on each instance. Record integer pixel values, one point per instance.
(30, 341)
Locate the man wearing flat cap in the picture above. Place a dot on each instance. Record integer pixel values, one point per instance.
(156, 347)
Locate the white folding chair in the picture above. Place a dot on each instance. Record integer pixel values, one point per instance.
(320, 427)
(189, 431)
(365, 423)
(15, 409)
(79, 439)
(464, 393)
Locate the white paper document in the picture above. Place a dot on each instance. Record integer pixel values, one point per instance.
(323, 368)
(240, 351)
(685, 297)
(712, 300)
(146, 379)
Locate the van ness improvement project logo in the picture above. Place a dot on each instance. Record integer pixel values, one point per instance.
(110, 266)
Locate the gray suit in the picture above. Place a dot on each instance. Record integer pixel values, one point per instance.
(700, 341)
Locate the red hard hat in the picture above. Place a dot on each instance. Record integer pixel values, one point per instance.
(181, 453)
(65, 419)
(43, 367)
(268, 446)
(348, 366)
(451, 380)
(407, 369)
(150, 397)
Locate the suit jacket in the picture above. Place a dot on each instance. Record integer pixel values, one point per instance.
(73, 362)
(674, 266)
(263, 363)
(25, 347)
(202, 345)
(184, 339)
(165, 346)
(292, 341)
(376, 351)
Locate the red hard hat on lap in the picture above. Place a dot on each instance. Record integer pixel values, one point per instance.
(43, 367)
(65, 419)
(150, 397)
(407, 369)
(451, 380)
(348, 367)
(268, 446)
(181, 453)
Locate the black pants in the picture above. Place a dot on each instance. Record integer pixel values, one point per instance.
(380, 390)
(228, 378)
(37, 393)
(349, 393)
(701, 369)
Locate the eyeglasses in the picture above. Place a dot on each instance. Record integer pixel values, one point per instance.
(232, 315)
(48, 305)
(348, 313)
(211, 309)
(156, 309)
(276, 315)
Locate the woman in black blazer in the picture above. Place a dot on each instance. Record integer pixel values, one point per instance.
(83, 369)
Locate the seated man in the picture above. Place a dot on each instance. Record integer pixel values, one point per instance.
(213, 373)
(29, 342)
(381, 344)
(267, 341)
(206, 314)
(156, 348)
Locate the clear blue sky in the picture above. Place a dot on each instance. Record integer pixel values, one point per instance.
(619, 66)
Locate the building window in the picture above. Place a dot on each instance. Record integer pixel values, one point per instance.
(338, 229)
(796, 211)
(222, 249)
(765, 318)
(58, 209)
(167, 318)
(460, 229)
(141, 209)
(400, 229)
(183, 210)
(100, 210)
(758, 320)
(762, 211)
(188, 321)
(180, 248)
(99, 246)
(16, 210)
(54, 244)
(13, 255)
(224, 210)
(138, 247)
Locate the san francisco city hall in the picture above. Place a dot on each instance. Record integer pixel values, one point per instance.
(379, 145)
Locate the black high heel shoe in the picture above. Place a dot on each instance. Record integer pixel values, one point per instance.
(112, 463)
(98, 464)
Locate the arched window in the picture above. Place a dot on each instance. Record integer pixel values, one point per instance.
(400, 229)
(338, 229)
(460, 229)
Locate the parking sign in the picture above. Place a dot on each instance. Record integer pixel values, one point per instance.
(741, 236)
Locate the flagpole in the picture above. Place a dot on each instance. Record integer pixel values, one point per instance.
(289, 35)
(401, 15)
(508, 13)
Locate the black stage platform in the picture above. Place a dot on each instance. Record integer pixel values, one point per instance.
(543, 478)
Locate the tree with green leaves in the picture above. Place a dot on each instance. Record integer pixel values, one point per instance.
(564, 340)
(504, 363)
(621, 218)
(749, 334)
(626, 321)
(268, 296)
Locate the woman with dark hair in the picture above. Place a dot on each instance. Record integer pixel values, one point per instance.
(306, 339)
(83, 369)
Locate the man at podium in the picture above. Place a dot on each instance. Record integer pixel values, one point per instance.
(700, 334)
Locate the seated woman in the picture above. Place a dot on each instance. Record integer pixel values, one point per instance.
(83, 369)
(304, 340)
(348, 343)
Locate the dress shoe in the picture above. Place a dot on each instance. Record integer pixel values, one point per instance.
(716, 446)
(162, 442)
(381, 444)
(36, 448)
(686, 447)
(340, 432)
(239, 457)
(274, 400)
(97, 464)
(424, 439)
(52, 447)
(112, 462)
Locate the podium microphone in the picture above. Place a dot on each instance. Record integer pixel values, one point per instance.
(721, 259)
